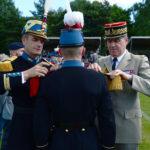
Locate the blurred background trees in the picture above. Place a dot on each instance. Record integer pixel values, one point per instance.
(96, 14)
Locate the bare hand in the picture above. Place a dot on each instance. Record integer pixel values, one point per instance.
(95, 67)
(123, 75)
(39, 70)
(55, 67)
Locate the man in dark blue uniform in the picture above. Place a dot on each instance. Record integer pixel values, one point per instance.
(19, 69)
(68, 101)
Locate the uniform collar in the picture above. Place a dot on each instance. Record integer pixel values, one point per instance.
(29, 58)
(120, 57)
(72, 63)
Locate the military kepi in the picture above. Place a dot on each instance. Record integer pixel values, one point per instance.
(115, 30)
(36, 28)
(72, 36)
(15, 46)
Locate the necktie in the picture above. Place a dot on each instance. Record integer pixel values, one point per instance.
(114, 63)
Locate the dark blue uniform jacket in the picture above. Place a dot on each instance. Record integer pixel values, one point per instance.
(74, 96)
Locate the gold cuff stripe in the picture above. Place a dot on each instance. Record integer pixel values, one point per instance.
(42, 146)
(6, 83)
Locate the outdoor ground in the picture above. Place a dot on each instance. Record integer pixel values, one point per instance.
(145, 106)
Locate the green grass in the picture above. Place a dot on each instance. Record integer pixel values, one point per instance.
(145, 106)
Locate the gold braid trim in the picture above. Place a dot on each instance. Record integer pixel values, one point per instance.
(115, 31)
(6, 83)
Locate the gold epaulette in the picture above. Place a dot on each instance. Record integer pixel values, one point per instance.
(12, 58)
(113, 84)
(6, 65)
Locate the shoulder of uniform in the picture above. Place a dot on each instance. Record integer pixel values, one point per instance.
(12, 58)
(6, 66)
(102, 59)
(139, 57)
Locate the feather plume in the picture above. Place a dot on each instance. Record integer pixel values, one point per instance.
(47, 6)
(73, 18)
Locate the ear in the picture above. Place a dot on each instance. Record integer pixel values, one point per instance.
(23, 39)
(83, 51)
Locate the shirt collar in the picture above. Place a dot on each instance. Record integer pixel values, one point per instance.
(29, 58)
(120, 57)
(72, 63)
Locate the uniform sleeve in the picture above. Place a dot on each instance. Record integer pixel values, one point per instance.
(141, 81)
(9, 81)
(106, 118)
(41, 119)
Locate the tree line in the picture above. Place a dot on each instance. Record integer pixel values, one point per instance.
(96, 14)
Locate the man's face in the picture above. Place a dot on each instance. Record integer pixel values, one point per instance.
(117, 47)
(17, 52)
(33, 45)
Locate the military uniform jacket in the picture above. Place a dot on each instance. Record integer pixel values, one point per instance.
(73, 95)
(126, 103)
(20, 137)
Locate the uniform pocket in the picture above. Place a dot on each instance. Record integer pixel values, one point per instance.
(135, 113)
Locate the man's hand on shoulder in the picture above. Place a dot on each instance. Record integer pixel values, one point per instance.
(95, 67)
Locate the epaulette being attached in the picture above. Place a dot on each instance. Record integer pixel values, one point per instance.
(6, 65)
(12, 58)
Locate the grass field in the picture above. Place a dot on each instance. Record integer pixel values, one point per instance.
(145, 106)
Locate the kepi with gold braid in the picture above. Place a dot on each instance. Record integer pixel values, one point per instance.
(36, 28)
(115, 30)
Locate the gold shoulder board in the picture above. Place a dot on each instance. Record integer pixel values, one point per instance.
(6, 65)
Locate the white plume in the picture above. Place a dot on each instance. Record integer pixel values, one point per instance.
(47, 6)
(73, 17)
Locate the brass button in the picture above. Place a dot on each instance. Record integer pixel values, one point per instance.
(51, 129)
(83, 129)
(66, 130)
(136, 115)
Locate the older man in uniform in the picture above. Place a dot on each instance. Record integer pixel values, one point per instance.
(66, 101)
(135, 73)
(34, 33)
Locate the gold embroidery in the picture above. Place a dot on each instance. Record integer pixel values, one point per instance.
(6, 83)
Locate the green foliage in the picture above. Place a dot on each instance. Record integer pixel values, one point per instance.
(10, 25)
(38, 14)
(145, 105)
(96, 14)
(142, 18)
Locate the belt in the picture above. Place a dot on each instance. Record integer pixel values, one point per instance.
(23, 110)
(74, 126)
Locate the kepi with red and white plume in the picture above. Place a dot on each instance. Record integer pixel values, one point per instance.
(73, 19)
(72, 36)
